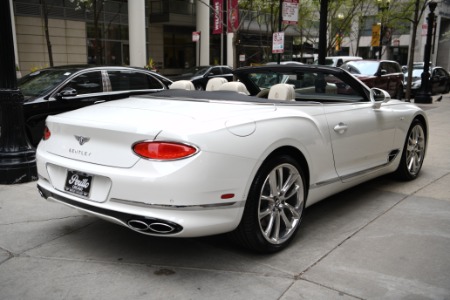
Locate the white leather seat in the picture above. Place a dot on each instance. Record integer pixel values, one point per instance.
(215, 83)
(282, 91)
(235, 86)
(182, 85)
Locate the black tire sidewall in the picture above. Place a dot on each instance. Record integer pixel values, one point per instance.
(402, 171)
(250, 222)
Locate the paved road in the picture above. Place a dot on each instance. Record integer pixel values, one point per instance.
(380, 240)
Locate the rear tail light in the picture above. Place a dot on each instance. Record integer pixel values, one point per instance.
(47, 133)
(164, 150)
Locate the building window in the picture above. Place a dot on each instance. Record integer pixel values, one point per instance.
(179, 50)
(113, 44)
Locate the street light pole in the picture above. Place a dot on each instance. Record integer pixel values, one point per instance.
(383, 6)
(424, 95)
(17, 157)
(323, 32)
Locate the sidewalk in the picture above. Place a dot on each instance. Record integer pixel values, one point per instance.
(381, 240)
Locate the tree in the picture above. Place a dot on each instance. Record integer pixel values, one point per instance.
(412, 12)
(45, 12)
(96, 7)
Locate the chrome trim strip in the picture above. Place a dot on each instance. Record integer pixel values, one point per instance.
(182, 207)
(356, 174)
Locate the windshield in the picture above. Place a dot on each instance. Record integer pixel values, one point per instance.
(361, 67)
(196, 71)
(41, 82)
(266, 80)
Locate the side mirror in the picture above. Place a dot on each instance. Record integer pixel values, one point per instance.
(67, 92)
(382, 72)
(379, 96)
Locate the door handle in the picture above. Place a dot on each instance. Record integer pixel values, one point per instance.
(341, 128)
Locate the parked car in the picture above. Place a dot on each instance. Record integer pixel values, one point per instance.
(187, 163)
(439, 80)
(55, 90)
(383, 74)
(286, 62)
(337, 61)
(201, 74)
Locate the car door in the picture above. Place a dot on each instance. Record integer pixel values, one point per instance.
(131, 82)
(361, 136)
(84, 89)
(227, 73)
(81, 90)
(438, 81)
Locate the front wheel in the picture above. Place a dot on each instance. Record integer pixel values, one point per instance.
(274, 206)
(413, 152)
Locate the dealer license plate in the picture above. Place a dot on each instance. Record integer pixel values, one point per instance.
(78, 183)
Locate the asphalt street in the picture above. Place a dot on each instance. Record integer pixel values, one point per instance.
(381, 240)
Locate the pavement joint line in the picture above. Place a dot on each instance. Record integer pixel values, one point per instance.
(39, 221)
(159, 267)
(300, 275)
(341, 293)
(22, 254)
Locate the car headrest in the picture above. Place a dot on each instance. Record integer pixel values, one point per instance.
(282, 91)
(182, 85)
(235, 86)
(215, 83)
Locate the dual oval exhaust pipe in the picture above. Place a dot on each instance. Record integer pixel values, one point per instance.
(152, 226)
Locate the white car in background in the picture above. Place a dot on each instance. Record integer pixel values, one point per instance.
(187, 163)
(337, 61)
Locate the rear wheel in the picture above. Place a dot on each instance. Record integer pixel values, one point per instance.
(413, 152)
(274, 206)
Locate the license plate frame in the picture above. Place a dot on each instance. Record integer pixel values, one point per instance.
(78, 183)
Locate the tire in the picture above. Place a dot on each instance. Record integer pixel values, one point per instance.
(274, 207)
(413, 152)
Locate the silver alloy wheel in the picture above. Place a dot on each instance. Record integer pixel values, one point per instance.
(281, 203)
(415, 149)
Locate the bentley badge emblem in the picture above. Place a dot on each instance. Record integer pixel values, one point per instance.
(82, 139)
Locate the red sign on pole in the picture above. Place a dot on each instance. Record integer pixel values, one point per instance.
(218, 9)
(233, 15)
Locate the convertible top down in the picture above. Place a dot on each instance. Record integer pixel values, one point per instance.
(186, 163)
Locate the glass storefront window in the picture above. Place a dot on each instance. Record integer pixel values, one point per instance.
(179, 50)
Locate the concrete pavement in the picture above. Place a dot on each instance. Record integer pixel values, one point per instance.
(381, 240)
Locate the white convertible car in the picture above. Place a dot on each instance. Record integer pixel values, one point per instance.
(244, 157)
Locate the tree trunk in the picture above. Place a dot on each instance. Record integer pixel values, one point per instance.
(47, 34)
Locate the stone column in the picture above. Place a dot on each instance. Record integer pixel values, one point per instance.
(136, 29)
(203, 26)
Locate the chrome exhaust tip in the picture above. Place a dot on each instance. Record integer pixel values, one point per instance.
(138, 225)
(161, 227)
(152, 226)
